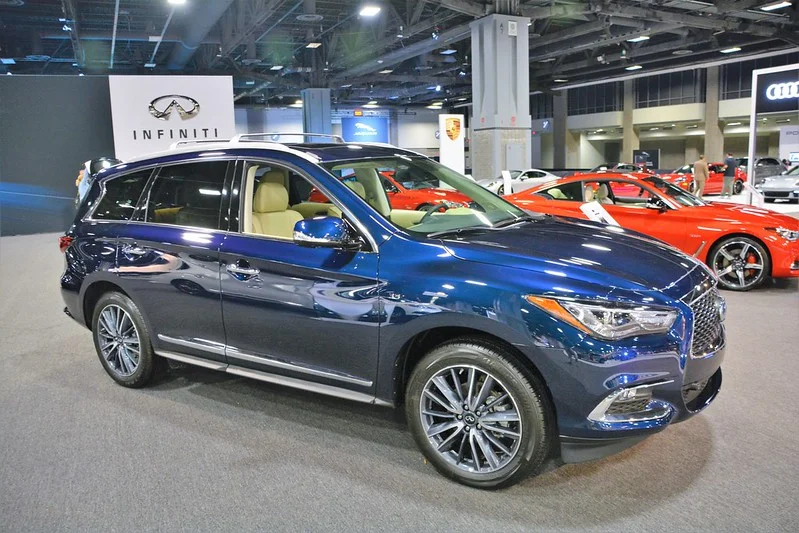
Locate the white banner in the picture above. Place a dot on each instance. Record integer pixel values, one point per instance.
(789, 143)
(151, 112)
(451, 135)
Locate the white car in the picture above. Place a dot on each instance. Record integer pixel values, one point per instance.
(519, 180)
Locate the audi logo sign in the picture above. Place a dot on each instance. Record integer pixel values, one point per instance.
(778, 92)
(781, 91)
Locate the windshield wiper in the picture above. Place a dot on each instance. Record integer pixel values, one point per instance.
(523, 218)
(458, 231)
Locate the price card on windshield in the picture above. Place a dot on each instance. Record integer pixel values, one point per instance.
(594, 211)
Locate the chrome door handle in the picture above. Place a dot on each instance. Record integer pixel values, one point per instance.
(242, 271)
(132, 249)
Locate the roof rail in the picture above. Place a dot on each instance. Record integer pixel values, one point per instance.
(198, 141)
(275, 136)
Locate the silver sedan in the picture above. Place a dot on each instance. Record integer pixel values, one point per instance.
(784, 186)
(519, 180)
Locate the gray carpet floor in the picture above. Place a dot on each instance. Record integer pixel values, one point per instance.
(204, 451)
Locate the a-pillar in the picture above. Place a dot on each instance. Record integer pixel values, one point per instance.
(316, 112)
(630, 140)
(501, 120)
(714, 134)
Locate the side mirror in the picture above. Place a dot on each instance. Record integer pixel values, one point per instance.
(656, 203)
(326, 232)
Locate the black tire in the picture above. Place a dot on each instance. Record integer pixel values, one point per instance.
(423, 207)
(528, 395)
(149, 365)
(501, 190)
(737, 187)
(733, 245)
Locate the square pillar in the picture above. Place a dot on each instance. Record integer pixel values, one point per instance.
(714, 133)
(316, 112)
(560, 128)
(501, 122)
(630, 140)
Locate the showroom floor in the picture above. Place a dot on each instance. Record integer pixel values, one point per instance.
(205, 451)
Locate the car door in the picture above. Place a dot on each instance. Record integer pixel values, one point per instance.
(715, 180)
(168, 260)
(289, 310)
(563, 199)
(627, 204)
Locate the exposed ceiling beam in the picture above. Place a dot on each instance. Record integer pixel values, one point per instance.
(123, 35)
(114, 35)
(242, 25)
(71, 14)
(467, 7)
(557, 10)
(396, 57)
(569, 33)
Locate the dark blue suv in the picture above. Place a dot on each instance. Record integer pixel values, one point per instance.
(511, 338)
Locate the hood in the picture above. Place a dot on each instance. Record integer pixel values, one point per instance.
(781, 182)
(578, 253)
(749, 214)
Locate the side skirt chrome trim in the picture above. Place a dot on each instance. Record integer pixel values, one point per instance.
(206, 346)
(301, 384)
(192, 360)
(276, 363)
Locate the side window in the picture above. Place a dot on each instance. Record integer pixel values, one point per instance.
(627, 194)
(276, 198)
(572, 191)
(121, 196)
(191, 194)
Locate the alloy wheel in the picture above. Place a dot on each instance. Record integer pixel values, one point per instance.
(471, 419)
(118, 340)
(739, 264)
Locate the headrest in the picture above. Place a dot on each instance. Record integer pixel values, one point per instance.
(589, 193)
(357, 187)
(274, 176)
(602, 192)
(270, 198)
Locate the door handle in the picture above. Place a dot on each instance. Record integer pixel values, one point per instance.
(133, 249)
(242, 271)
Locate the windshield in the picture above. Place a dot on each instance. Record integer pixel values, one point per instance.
(675, 193)
(452, 202)
(793, 172)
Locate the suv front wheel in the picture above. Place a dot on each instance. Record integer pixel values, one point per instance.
(477, 416)
(122, 342)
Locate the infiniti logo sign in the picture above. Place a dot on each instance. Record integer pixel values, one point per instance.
(783, 91)
(162, 107)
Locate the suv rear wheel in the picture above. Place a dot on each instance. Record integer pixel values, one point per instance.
(122, 341)
(477, 417)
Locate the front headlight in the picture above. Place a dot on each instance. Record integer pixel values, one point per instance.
(787, 234)
(451, 204)
(608, 320)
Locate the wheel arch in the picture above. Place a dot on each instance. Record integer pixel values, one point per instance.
(93, 294)
(727, 236)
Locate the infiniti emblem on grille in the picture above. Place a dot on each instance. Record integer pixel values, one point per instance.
(162, 107)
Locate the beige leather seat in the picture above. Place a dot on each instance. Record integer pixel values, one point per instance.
(588, 193)
(270, 213)
(358, 187)
(602, 195)
(275, 175)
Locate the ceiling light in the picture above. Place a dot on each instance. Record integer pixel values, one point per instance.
(393, 97)
(633, 67)
(654, 129)
(149, 65)
(371, 102)
(346, 86)
(448, 51)
(7, 61)
(434, 106)
(438, 88)
(782, 120)
(638, 39)
(692, 126)
(731, 50)
(249, 82)
(462, 99)
(9, 74)
(277, 67)
(66, 27)
(386, 71)
(547, 60)
(434, 35)
(297, 103)
(682, 52)
(379, 61)
(734, 124)
(176, 2)
(560, 80)
(774, 6)
(371, 106)
(313, 45)
(369, 10)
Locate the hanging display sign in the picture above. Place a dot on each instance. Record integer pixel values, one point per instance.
(778, 92)
(650, 159)
(789, 143)
(451, 142)
(149, 113)
(364, 129)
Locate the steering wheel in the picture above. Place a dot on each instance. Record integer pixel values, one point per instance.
(429, 211)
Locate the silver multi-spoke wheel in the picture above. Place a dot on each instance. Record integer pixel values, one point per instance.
(118, 340)
(471, 419)
(740, 264)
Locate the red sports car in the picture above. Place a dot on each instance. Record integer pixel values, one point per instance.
(684, 177)
(411, 192)
(742, 244)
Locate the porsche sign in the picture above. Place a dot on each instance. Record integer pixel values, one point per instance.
(451, 141)
(453, 128)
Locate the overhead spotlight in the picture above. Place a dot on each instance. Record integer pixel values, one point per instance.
(297, 103)
(386, 71)
(149, 65)
(369, 10)
(734, 124)
(560, 80)
(731, 50)
(277, 67)
(448, 51)
(379, 61)
(435, 35)
(638, 39)
(774, 6)
(461, 73)
(438, 88)
(66, 27)
(653, 129)
(633, 67)
(313, 45)
(400, 34)
(682, 52)
(176, 2)
(346, 86)
(7, 61)
(249, 82)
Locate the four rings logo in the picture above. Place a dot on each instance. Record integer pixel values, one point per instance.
(162, 107)
(783, 91)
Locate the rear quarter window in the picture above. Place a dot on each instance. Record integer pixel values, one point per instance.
(121, 196)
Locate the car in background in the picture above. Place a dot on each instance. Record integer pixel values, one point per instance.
(765, 167)
(520, 180)
(742, 245)
(782, 187)
(418, 193)
(619, 168)
(683, 177)
(510, 339)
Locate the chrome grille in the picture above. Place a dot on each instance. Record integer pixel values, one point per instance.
(707, 335)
